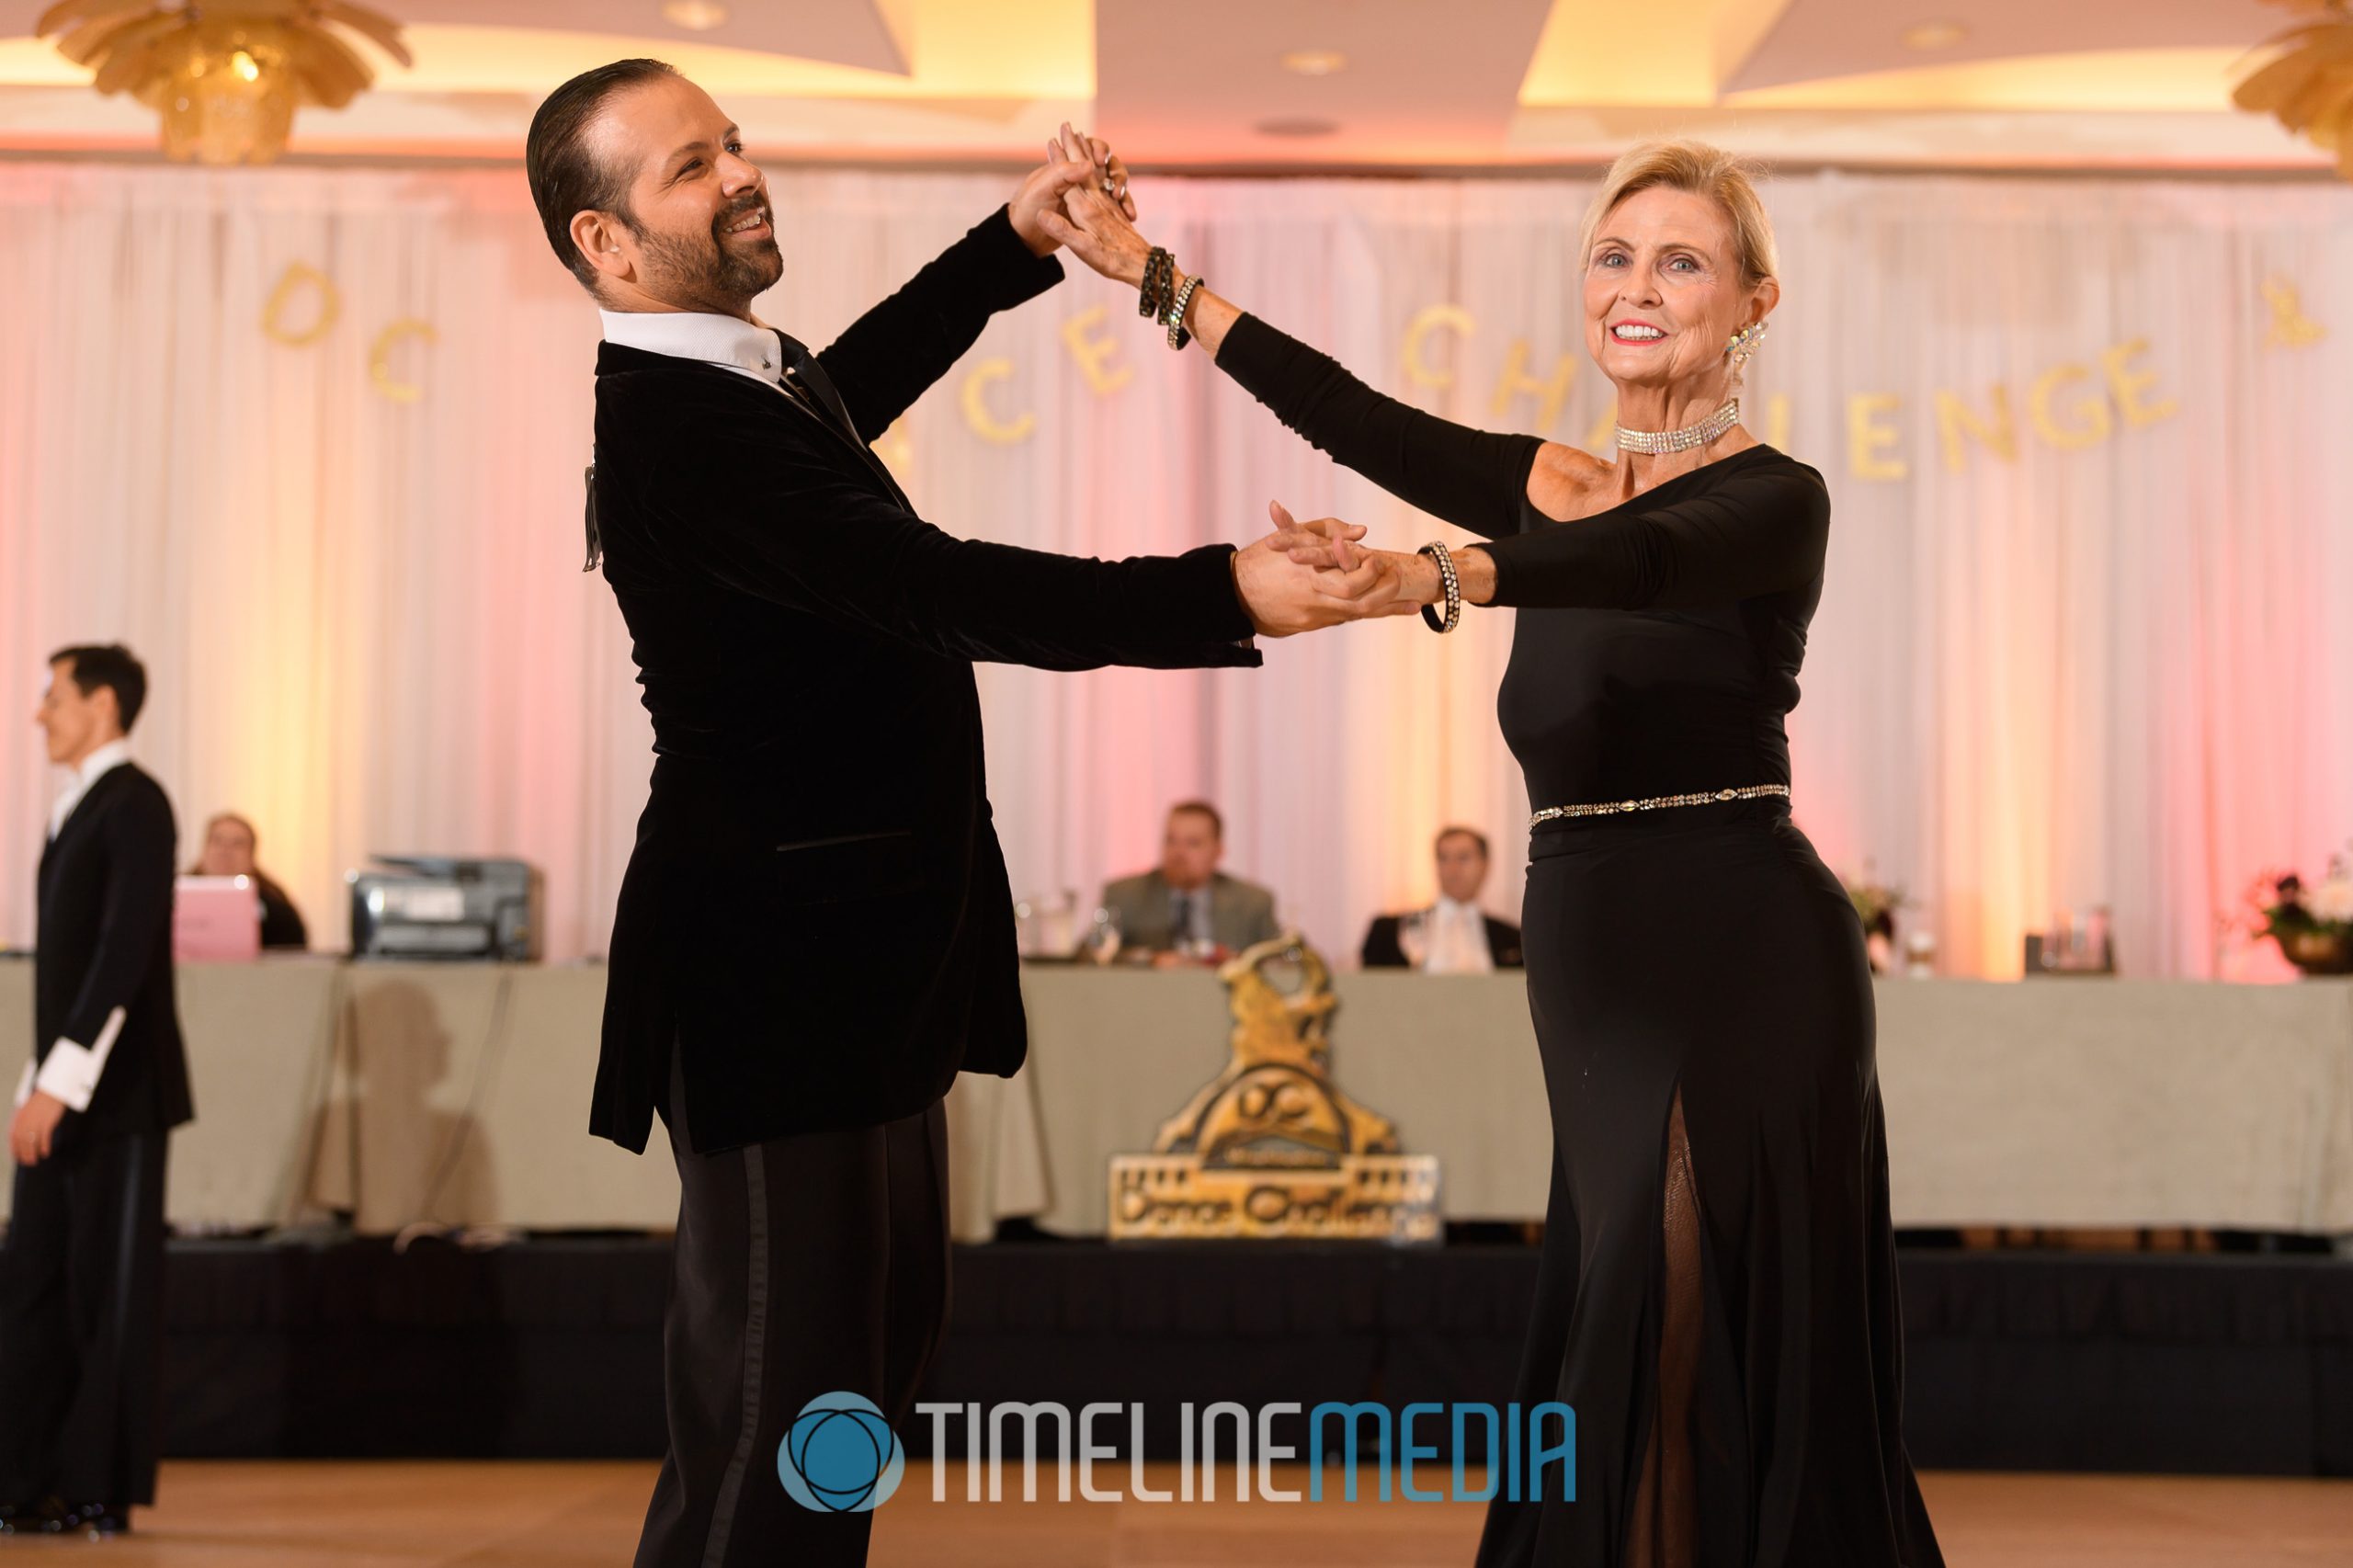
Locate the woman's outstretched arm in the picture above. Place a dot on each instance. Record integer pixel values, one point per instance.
(1474, 479)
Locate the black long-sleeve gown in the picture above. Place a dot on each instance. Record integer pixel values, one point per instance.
(1718, 1295)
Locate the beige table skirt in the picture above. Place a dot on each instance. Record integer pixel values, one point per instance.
(458, 1095)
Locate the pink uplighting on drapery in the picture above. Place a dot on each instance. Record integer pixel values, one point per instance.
(2083, 639)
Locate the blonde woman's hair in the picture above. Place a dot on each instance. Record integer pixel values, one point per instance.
(1694, 166)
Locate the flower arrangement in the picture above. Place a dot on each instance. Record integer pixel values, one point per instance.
(1875, 905)
(2313, 924)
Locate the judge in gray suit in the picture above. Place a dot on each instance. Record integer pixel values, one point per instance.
(1189, 907)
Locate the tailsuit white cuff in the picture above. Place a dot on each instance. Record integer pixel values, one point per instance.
(70, 1072)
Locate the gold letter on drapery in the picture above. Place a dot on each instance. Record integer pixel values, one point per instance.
(1777, 421)
(379, 358)
(1866, 437)
(1094, 353)
(1417, 368)
(2291, 328)
(2094, 408)
(2128, 385)
(1956, 418)
(976, 407)
(1551, 394)
(330, 306)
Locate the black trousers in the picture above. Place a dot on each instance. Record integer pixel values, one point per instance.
(805, 1265)
(80, 1324)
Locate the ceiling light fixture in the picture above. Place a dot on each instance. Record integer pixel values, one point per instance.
(2307, 79)
(1934, 35)
(695, 15)
(226, 77)
(1314, 62)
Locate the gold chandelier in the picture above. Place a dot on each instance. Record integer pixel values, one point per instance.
(225, 74)
(2308, 82)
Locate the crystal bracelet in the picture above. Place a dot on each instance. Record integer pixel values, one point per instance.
(1448, 581)
(1178, 335)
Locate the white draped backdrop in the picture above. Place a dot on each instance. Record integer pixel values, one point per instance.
(2113, 666)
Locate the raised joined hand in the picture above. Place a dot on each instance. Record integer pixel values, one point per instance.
(1096, 223)
(1074, 162)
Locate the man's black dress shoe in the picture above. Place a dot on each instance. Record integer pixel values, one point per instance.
(96, 1518)
(46, 1516)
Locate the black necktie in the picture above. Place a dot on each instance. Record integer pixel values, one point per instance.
(806, 383)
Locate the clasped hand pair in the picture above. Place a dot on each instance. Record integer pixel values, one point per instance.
(1302, 576)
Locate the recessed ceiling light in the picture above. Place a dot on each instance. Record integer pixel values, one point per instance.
(1934, 35)
(1314, 62)
(695, 15)
(1297, 127)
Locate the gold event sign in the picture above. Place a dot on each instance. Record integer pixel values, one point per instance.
(1270, 1147)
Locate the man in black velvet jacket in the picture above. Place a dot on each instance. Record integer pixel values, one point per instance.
(815, 931)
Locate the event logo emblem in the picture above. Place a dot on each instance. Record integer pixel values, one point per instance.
(840, 1457)
(1270, 1147)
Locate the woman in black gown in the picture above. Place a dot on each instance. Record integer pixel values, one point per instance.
(1718, 1293)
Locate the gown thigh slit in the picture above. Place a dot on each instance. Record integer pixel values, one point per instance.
(1665, 1502)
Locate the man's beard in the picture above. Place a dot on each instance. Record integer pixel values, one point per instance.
(708, 269)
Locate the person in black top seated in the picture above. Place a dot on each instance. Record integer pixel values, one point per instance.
(229, 845)
(1454, 936)
(1717, 1303)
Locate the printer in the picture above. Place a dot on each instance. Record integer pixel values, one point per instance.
(434, 906)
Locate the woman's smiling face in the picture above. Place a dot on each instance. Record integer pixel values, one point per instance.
(1664, 291)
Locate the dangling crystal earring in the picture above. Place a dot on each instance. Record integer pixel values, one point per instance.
(1743, 345)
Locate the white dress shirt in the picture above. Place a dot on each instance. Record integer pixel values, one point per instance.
(1457, 940)
(744, 347)
(70, 1071)
(104, 760)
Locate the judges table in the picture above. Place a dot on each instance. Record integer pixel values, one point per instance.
(458, 1094)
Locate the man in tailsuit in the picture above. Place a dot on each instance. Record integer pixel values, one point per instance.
(81, 1271)
(1188, 905)
(806, 644)
(1453, 936)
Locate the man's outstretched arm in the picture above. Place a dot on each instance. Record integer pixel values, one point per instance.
(887, 358)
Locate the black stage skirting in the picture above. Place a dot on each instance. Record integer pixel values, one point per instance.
(551, 1347)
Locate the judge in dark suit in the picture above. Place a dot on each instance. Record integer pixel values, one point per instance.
(1187, 905)
(1454, 936)
(81, 1271)
(806, 644)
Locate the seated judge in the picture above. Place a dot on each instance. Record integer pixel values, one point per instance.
(229, 845)
(1189, 907)
(1454, 936)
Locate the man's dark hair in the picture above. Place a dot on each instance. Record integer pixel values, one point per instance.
(566, 175)
(1472, 834)
(1201, 809)
(110, 665)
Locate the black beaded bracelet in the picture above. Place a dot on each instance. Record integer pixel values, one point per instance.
(1152, 296)
(1448, 581)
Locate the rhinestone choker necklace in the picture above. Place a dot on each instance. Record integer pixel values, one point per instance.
(1681, 440)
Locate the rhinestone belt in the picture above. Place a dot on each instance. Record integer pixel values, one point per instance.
(1610, 808)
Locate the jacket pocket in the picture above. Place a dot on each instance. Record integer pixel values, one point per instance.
(846, 867)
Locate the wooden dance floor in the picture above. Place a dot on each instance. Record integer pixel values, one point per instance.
(535, 1514)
